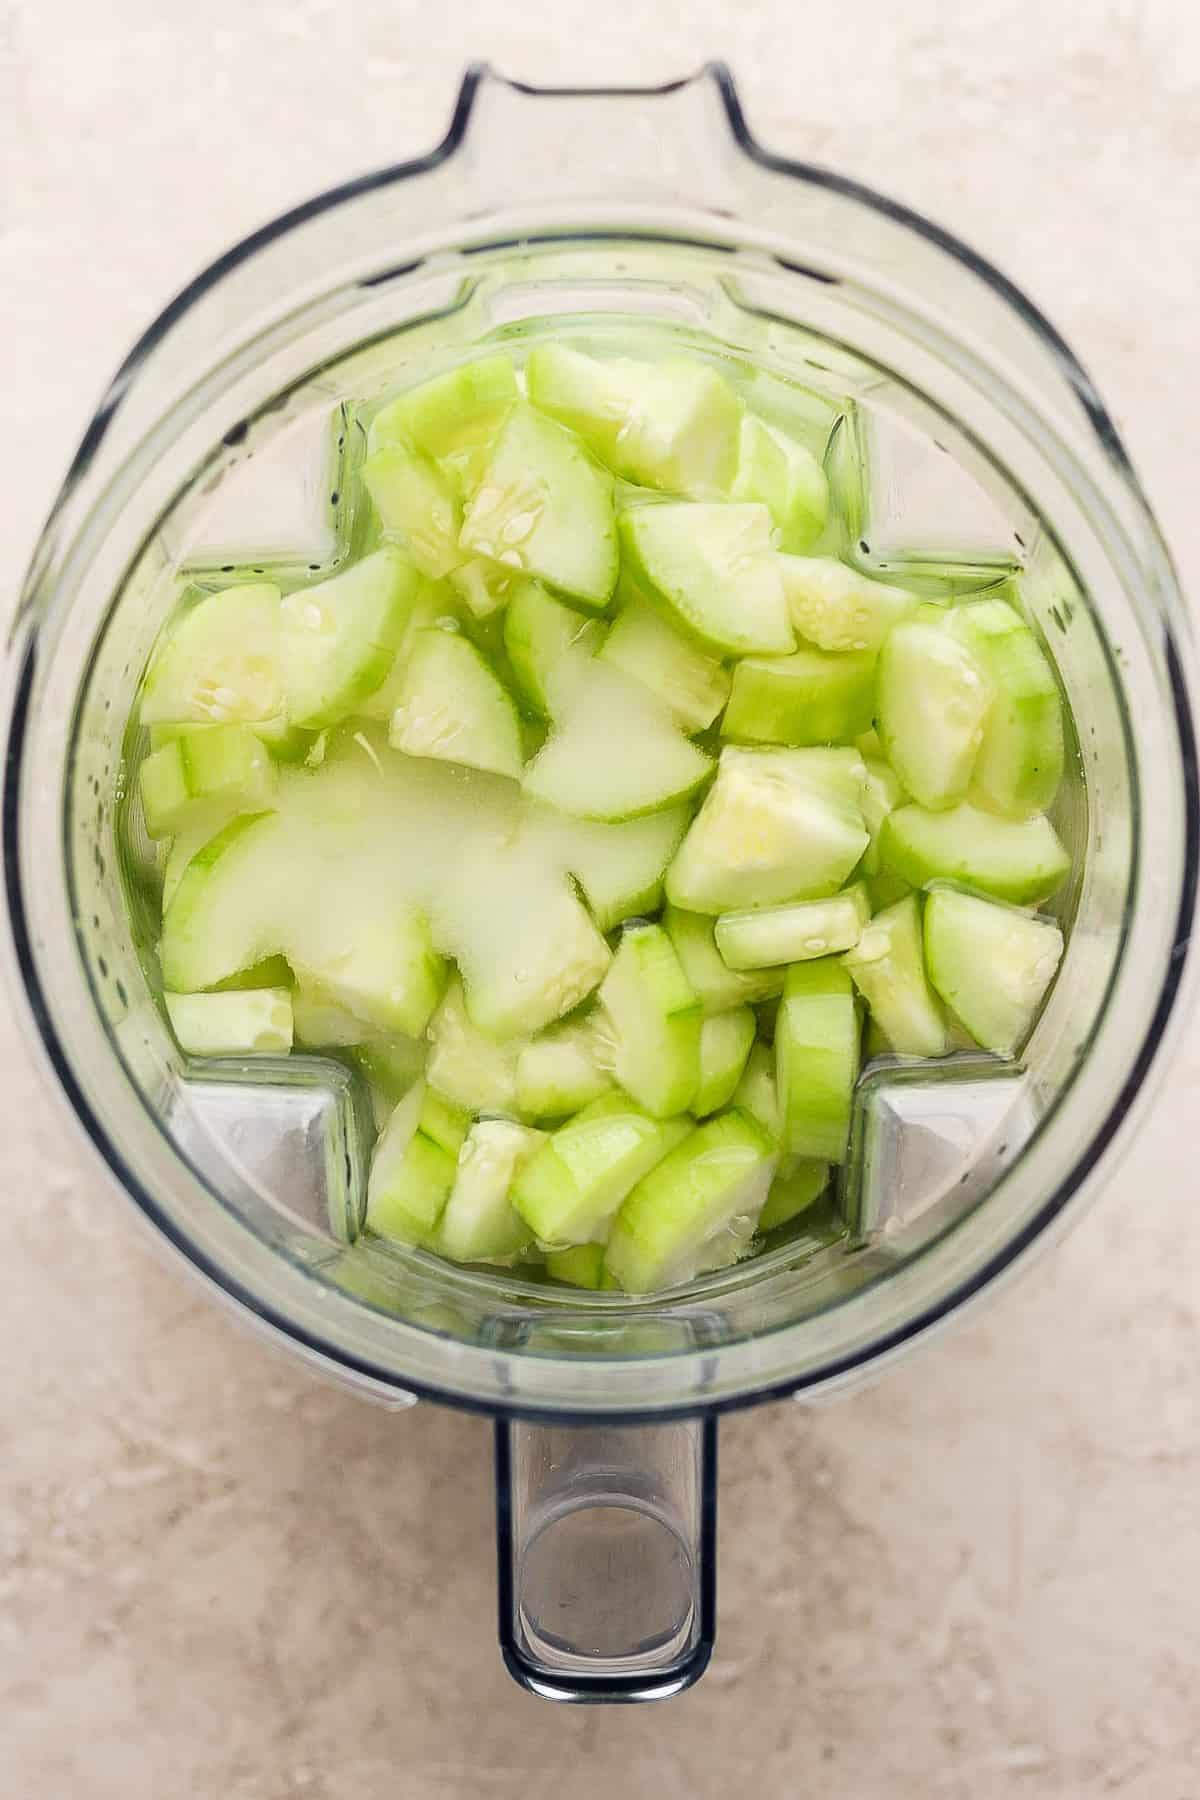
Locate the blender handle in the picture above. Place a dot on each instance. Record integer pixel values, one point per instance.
(606, 1551)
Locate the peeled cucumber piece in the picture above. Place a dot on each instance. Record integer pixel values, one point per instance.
(687, 679)
(220, 664)
(991, 964)
(1020, 860)
(479, 1223)
(452, 416)
(465, 1066)
(571, 1187)
(411, 1177)
(807, 698)
(715, 1179)
(454, 707)
(417, 503)
(614, 753)
(671, 424)
(564, 1069)
(797, 1186)
(544, 508)
(766, 936)
(776, 825)
(619, 867)
(252, 1022)
(786, 477)
(725, 1040)
(887, 966)
(656, 1017)
(582, 1265)
(719, 987)
(208, 774)
(1020, 760)
(816, 1059)
(548, 646)
(839, 608)
(933, 702)
(714, 570)
(338, 638)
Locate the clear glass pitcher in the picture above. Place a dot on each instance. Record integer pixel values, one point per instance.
(956, 423)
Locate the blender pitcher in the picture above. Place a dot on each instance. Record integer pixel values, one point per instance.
(959, 432)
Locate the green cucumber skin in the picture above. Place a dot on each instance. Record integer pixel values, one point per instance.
(805, 699)
(816, 1059)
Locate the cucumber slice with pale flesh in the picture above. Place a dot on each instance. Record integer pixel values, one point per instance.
(411, 1177)
(933, 702)
(757, 1094)
(479, 1223)
(564, 1069)
(390, 1064)
(453, 706)
(816, 1059)
(205, 775)
(787, 478)
(766, 936)
(570, 1189)
(321, 1024)
(443, 1122)
(725, 1041)
(451, 415)
(991, 964)
(719, 987)
(548, 646)
(252, 1022)
(656, 1017)
(715, 571)
(687, 679)
(887, 966)
(582, 1266)
(484, 587)
(543, 508)
(435, 604)
(1020, 760)
(883, 792)
(416, 503)
(806, 698)
(464, 1065)
(719, 1174)
(796, 1187)
(619, 867)
(1021, 860)
(776, 825)
(220, 664)
(339, 638)
(839, 608)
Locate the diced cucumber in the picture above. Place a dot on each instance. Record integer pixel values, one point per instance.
(887, 966)
(321, 1024)
(411, 1177)
(807, 698)
(206, 775)
(339, 638)
(480, 1223)
(770, 935)
(386, 973)
(569, 1190)
(454, 707)
(416, 503)
(1020, 761)
(580, 1266)
(220, 664)
(614, 752)
(796, 1187)
(443, 1122)
(543, 508)
(787, 478)
(466, 1067)
(452, 415)
(644, 644)
(885, 889)
(619, 867)
(757, 1094)
(838, 608)
(253, 1022)
(390, 1064)
(714, 569)
(656, 1017)
(671, 424)
(991, 964)
(883, 792)
(1021, 860)
(776, 825)
(725, 1041)
(933, 701)
(486, 587)
(564, 1069)
(719, 1173)
(718, 986)
(816, 1059)
(548, 646)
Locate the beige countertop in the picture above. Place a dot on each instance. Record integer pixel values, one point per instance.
(979, 1578)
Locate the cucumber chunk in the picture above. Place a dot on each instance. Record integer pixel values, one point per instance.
(1020, 760)
(569, 1190)
(548, 646)
(725, 1041)
(806, 698)
(390, 1065)
(411, 1177)
(453, 415)
(718, 986)
(816, 1059)
(655, 1016)
(714, 569)
(614, 752)
(321, 1024)
(205, 775)
(933, 701)
(581, 1266)
(485, 587)
(763, 938)
(454, 707)
(787, 478)
(252, 1022)
(991, 965)
(776, 825)
(466, 1067)
(619, 867)
(416, 503)
(443, 1122)
(339, 638)
(671, 424)
(435, 604)
(220, 664)
(479, 1223)
(883, 792)
(564, 1069)
(887, 966)
(1021, 860)
(838, 608)
(797, 1186)
(717, 1176)
(543, 508)
(684, 677)
(757, 1094)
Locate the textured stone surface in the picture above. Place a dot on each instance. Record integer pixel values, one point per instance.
(977, 1578)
